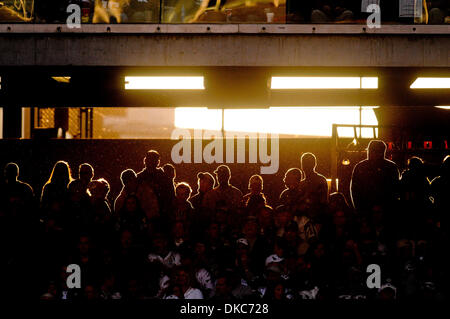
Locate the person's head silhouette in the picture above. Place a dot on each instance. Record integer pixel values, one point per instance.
(309, 163)
(11, 172)
(415, 164)
(376, 150)
(205, 182)
(170, 171)
(292, 178)
(128, 177)
(151, 160)
(60, 174)
(223, 174)
(86, 173)
(255, 184)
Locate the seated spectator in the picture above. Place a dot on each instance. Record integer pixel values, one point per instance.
(129, 260)
(276, 291)
(223, 288)
(131, 216)
(438, 11)
(257, 244)
(283, 216)
(266, 222)
(160, 252)
(109, 289)
(86, 257)
(326, 11)
(185, 281)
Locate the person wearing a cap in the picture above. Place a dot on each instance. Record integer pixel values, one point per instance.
(225, 193)
(375, 180)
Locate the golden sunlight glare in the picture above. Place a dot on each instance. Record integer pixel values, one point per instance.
(198, 118)
(294, 82)
(431, 83)
(304, 121)
(164, 83)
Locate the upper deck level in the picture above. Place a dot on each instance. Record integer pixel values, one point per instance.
(224, 33)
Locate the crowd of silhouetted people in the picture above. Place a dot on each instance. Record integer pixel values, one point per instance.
(312, 11)
(161, 240)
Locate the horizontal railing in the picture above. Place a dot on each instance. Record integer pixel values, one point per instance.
(224, 29)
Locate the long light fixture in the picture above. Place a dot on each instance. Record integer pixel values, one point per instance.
(431, 83)
(295, 82)
(444, 107)
(164, 83)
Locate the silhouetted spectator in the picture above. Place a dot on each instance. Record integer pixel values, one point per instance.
(205, 183)
(55, 193)
(16, 197)
(183, 208)
(129, 186)
(170, 172)
(155, 191)
(375, 180)
(314, 187)
(255, 200)
(102, 220)
(292, 195)
(415, 192)
(225, 195)
(85, 175)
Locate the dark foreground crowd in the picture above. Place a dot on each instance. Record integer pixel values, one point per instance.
(160, 240)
